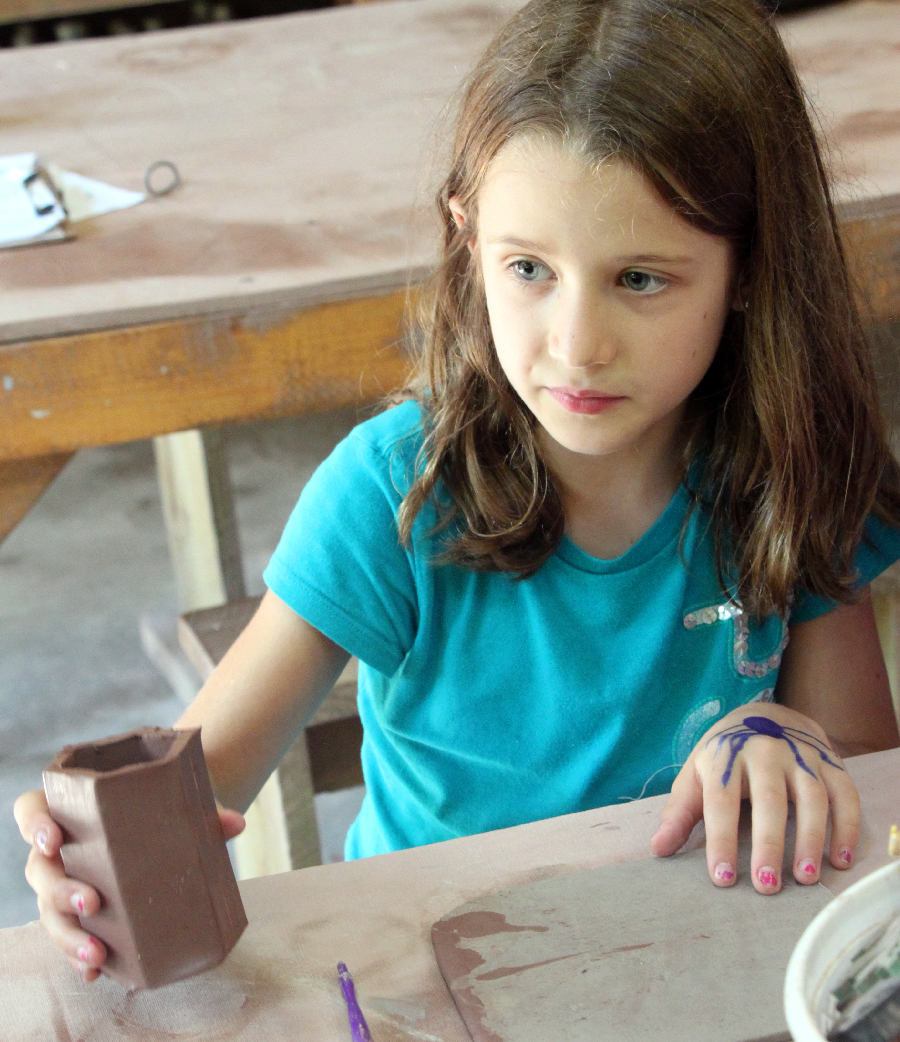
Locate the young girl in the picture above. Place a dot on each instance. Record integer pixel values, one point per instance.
(639, 483)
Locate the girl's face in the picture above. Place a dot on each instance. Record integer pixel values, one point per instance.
(606, 307)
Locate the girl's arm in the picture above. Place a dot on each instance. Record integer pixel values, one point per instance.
(833, 671)
(833, 699)
(263, 692)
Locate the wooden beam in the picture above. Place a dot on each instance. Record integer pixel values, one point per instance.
(34, 10)
(870, 231)
(198, 508)
(22, 483)
(65, 393)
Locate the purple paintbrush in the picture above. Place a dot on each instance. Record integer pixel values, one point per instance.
(359, 1029)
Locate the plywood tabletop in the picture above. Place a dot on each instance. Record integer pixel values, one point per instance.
(280, 982)
(303, 143)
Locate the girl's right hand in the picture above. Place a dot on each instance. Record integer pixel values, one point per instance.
(61, 900)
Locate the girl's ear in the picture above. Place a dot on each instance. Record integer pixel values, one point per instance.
(739, 301)
(459, 215)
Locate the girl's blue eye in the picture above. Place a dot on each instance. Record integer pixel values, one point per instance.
(642, 282)
(529, 270)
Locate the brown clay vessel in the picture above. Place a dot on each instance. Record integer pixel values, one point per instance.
(140, 825)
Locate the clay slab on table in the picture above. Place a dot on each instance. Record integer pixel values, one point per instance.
(141, 826)
(648, 951)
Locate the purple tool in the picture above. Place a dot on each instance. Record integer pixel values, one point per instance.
(359, 1029)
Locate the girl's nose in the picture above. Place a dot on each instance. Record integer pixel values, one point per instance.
(581, 334)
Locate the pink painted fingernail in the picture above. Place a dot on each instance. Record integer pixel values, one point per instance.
(83, 953)
(808, 867)
(41, 839)
(724, 871)
(77, 902)
(845, 854)
(767, 876)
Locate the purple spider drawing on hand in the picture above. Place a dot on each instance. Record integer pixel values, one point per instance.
(738, 736)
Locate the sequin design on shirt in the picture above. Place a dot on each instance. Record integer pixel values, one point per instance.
(699, 720)
(745, 666)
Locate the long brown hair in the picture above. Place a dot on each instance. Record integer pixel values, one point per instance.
(700, 97)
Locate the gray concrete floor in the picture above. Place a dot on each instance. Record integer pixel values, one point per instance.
(77, 575)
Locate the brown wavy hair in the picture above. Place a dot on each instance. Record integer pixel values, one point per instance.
(701, 98)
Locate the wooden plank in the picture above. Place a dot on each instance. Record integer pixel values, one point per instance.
(34, 10)
(674, 958)
(305, 144)
(263, 848)
(118, 385)
(22, 483)
(870, 232)
(206, 635)
(199, 513)
(280, 982)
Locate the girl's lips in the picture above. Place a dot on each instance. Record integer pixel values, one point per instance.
(590, 402)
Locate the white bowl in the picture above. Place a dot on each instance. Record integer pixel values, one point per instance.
(820, 961)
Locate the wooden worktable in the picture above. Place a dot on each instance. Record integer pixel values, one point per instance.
(279, 984)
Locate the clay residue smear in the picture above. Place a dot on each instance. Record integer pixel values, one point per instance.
(484, 924)
(509, 971)
(626, 948)
(472, 1010)
(454, 962)
(195, 1007)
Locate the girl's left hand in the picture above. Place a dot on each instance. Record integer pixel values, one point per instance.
(771, 755)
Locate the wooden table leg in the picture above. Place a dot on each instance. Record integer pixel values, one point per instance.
(22, 483)
(199, 512)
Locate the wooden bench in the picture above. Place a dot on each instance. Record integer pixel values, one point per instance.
(281, 831)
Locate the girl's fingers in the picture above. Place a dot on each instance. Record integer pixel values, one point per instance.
(84, 952)
(721, 812)
(811, 800)
(35, 823)
(47, 877)
(232, 822)
(60, 900)
(768, 796)
(680, 814)
(845, 816)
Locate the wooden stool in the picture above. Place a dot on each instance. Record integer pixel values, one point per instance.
(281, 831)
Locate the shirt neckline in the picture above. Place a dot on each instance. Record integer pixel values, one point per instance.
(659, 535)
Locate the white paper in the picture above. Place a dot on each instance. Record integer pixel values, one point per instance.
(29, 211)
(38, 201)
(84, 197)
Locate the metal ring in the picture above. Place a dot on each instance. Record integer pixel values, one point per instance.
(162, 164)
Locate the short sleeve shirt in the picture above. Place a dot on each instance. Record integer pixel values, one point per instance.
(489, 701)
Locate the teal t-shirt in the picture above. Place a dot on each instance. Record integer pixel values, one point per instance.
(487, 701)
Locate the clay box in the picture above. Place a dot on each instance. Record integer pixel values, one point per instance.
(140, 825)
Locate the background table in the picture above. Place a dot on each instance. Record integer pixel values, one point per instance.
(279, 984)
(274, 281)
